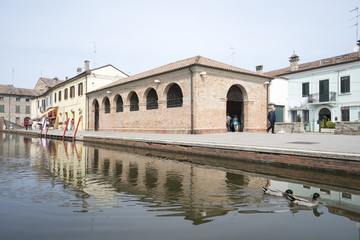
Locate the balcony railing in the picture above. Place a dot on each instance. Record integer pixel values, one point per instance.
(319, 98)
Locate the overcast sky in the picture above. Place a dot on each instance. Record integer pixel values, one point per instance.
(48, 38)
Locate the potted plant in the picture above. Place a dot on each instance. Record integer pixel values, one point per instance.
(327, 126)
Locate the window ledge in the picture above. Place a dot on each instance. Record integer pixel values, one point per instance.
(344, 94)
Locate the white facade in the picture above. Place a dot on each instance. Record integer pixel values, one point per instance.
(278, 96)
(339, 104)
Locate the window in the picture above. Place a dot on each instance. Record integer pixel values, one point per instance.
(66, 94)
(28, 109)
(2, 108)
(107, 105)
(80, 89)
(293, 115)
(345, 114)
(152, 100)
(54, 97)
(305, 89)
(305, 116)
(38, 103)
(72, 91)
(174, 97)
(345, 84)
(59, 96)
(18, 99)
(346, 195)
(119, 104)
(1, 98)
(27, 100)
(134, 102)
(17, 107)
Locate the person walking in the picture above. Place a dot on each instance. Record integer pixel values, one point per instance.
(228, 121)
(272, 119)
(26, 124)
(72, 124)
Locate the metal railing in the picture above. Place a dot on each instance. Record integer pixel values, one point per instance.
(316, 97)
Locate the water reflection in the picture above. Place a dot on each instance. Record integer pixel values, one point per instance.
(103, 178)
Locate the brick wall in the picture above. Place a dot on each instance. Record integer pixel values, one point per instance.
(209, 93)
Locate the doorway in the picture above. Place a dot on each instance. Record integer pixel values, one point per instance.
(96, 118)
(235, 105)
(324, 90)
(324, 114)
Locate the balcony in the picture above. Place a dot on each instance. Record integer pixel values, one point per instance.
(317, 98)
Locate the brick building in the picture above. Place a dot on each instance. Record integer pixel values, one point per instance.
(189, 96)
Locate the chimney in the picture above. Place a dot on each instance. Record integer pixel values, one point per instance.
(56, 80)
(67, 78)
(294, 62)
(259, 68)
(87, 65)
(358, 45)
(78, 70)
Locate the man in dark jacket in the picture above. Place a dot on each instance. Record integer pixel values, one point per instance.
(272, 119)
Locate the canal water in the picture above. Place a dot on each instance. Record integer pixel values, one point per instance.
(59, 190)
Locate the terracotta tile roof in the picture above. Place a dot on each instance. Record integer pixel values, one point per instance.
(11, 90)
(197, 60)
(350, 57)
(50, 82)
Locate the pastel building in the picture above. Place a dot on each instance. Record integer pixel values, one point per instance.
(67, 99)
(323, 89)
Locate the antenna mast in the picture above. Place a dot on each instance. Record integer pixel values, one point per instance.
(357, 22)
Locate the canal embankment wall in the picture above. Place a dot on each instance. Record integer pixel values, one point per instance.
(335, 153)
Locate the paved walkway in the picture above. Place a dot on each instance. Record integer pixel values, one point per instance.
(311, 142)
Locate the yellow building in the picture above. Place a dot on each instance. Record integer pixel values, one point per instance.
(67, 100)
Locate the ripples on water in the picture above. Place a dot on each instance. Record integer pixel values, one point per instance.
(68, 190)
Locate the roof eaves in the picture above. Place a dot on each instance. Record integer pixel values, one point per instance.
(195, 63)
(318, 67)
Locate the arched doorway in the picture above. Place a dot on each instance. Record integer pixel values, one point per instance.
(324, 114)
(235, 105)
(96, 117)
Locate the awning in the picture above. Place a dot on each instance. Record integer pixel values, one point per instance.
(49, 110)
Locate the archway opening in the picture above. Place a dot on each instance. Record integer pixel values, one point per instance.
(235, 106)
(324, 114)
(96, 117)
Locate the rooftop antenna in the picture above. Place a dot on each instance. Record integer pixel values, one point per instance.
(357, 22)
(94, 45)
(233, 55)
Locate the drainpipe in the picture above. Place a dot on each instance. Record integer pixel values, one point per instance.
(191, 103)
(267, 98)
(9, 107)
(86, 104)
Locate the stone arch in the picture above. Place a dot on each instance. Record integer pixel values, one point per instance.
(106, 105)
(151, 99)
(119, 103)
(95, 109)
(324, 111)
(133, 101)
(174, 95)
(235, 107)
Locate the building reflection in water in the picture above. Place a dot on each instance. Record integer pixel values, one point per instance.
(103, 178)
